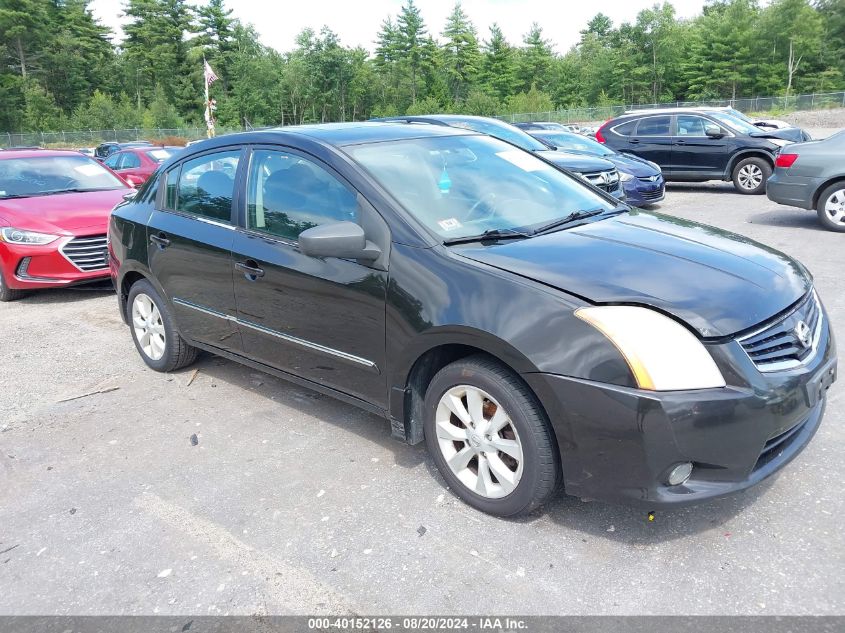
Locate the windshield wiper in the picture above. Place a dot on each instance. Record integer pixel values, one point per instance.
(572, 217)
(489, 234)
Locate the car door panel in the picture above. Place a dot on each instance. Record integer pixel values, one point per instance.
(191, 256)
(322, 319)
(695, 152)
(652, 141)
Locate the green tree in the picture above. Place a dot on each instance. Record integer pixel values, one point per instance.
(461, 56)
(156, 51)
(535, 60)
(41, 112)
(498, 66)
(412, 31)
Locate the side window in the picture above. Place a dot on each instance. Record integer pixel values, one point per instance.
(113, 161)
(206, 186)
(130, 161)
(626, 129)
(171, 187)
(654, 126)
(288, 194)
(689, 125)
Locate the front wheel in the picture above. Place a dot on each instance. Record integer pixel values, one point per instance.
(490, 437)
(750, 175)
(831, 207)
(9, 294)
(154, 331)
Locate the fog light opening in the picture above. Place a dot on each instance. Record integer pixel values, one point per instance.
(680, 473)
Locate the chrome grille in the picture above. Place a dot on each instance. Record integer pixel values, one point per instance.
(87, 253)
(780, 346)
(607, 180)
(653, 195)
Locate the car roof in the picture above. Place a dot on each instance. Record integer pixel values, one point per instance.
(37, 153)
(681, 109)
(335, 134)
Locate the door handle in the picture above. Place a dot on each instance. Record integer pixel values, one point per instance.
(634, 141)
(160, 240)
(250, 269)
(680, 142)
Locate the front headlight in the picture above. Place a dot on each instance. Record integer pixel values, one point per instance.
(19, 236)
(662, 354)
(625, 177)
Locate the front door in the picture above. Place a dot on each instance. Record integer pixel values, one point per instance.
(693, 151)
(318, 318)
(652, 140)
(190, 246)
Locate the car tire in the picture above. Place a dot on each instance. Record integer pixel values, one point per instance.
(750, 175)
(467, 447)
(831, 207)
(154, 331)
(9, 294)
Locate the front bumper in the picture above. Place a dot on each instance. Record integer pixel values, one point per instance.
(30, 267)
(795, 191)
(640, 193)
(618, 443)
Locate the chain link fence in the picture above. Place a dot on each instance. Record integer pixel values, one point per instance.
(817, 101)
(90, 138)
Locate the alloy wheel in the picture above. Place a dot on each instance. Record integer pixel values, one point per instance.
(834, 206)
(148, 326)
(750, 176)
(479, 442)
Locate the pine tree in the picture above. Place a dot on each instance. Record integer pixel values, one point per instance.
(412, 32)
(461, 57)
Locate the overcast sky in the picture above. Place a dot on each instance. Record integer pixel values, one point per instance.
(357, 23)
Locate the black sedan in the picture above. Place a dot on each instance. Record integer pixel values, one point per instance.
(532, 331)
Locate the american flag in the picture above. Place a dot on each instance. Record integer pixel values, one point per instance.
(210, 77)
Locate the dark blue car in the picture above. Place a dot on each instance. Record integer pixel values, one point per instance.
(642, 180)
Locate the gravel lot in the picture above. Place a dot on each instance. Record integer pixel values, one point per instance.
(291, 502)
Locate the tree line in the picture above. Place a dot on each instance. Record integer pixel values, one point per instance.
(61, 68)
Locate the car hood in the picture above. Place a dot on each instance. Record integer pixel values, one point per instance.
(717, 282)
(576, 162)
(62, 213)
(793, 134)
(634, 165)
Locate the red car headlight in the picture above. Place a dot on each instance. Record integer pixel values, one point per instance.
(21, 236)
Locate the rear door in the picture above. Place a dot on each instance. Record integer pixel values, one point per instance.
(319, 318)
(693, 151)
(190, 245)
(652, 140)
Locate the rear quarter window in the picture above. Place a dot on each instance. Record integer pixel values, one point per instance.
(625, 129)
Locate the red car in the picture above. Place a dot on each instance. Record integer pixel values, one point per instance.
(136, 164)
(54, 210)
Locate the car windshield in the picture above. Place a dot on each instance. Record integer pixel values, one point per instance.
(733, 123)
(160, 155)
(571, 142)
(47, 175)
(501, 130)
(460, 186)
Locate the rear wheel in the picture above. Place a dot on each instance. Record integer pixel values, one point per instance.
(9, 294)
(750, 175)
(490, 438)
(154, 330)
(831, 207)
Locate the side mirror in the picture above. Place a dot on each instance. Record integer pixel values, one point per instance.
(345, 240)
(129, 195)
(713, 131)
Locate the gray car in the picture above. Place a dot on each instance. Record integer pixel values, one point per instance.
(812, 176)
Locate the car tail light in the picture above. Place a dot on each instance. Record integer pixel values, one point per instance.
(785, 160)
(599, 136)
